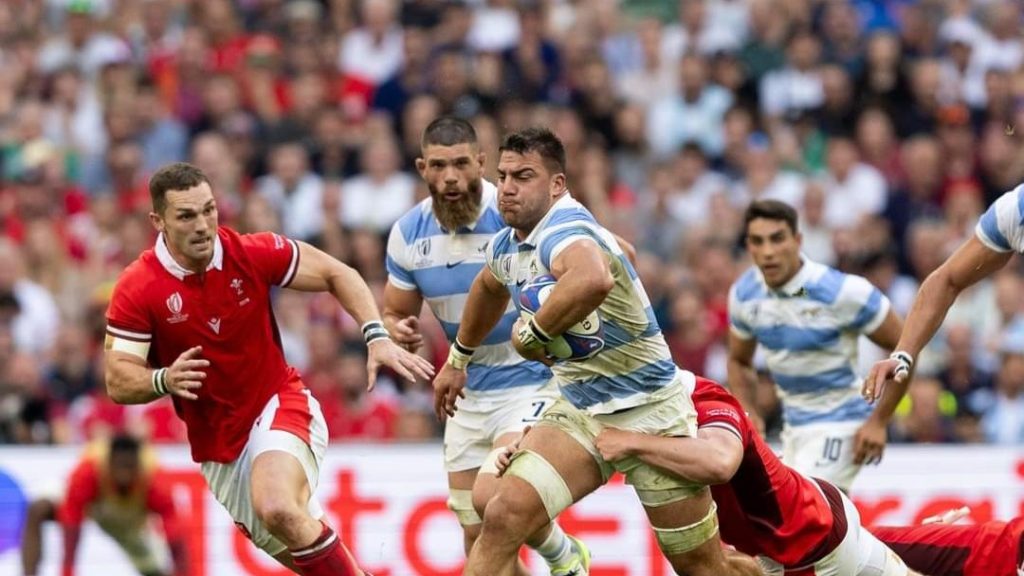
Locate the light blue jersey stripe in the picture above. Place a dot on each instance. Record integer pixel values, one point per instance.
(648, 379)
(836, 379)
(491, 378)
(502, 333)
(854, 409)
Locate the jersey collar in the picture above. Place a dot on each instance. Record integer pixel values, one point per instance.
(531, 239)
(179, 271)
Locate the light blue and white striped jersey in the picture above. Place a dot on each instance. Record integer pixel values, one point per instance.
(1001, 227)
(808, 331)
(441, 266)
(635, 366)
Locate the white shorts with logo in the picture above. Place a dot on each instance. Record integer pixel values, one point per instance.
(231, 483)
(859, 554)
(480, 419)
(822, 451)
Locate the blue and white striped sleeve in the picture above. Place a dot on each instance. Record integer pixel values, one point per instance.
(738, 323)
(559, 238)
(861, 306)
(399, 273)
(1000, 227)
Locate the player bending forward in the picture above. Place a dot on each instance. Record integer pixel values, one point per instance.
(192, 318)
(116, 485)
(631, 383)
(793, 524)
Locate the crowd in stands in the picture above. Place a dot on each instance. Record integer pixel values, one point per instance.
(890, 124)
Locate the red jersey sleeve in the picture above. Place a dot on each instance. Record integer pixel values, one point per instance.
(716, 408)
(275, 257)
(160, 502)
(126, 316)
(83, 487)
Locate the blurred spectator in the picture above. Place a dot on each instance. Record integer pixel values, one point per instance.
(1003, 420)
(294, 191)
(382, 193)
(853, 189)
(797, 86)
(926, 414)
(33, 315)
(694, 114)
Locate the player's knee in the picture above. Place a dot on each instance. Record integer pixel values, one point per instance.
(510, 513)
(278, 513)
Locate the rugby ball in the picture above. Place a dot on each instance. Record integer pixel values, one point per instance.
(579, 342)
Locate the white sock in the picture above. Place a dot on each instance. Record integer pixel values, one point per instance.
(556, 548)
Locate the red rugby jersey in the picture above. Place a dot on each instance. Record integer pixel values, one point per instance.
(768, 508)
(227, 311)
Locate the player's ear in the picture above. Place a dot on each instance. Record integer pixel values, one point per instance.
(557, 185)
(421, 167)
(157, 221)
(481, 159)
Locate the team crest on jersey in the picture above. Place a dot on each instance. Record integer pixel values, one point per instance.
(506, 265)
(175, 304)
(214, 324)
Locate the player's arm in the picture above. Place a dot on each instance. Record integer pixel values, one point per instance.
(971, 262)
(130, 380)
(584, 281)
(402, 315)
(39, 512)
(742, 377)
(485, 305)
(711, 458)
(319, 272)
(869, 441)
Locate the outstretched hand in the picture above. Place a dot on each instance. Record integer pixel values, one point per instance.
(384, 352)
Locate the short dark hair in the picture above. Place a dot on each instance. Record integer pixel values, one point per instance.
(177, 176)
(770, 210)
(539, 140)
(448, 131)
(126, 444)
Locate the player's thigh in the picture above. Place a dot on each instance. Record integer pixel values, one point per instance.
(549, 472)
(822, 452)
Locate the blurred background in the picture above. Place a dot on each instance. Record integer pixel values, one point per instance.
(890, 124)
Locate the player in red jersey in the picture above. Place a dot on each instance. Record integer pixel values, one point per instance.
(116, 484)
(192, 317)
(938, 547)
(795, 525)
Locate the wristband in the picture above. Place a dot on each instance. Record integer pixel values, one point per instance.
(905, 360)
(531, 337)
(459, 355)
(374, 330)
(159, 381)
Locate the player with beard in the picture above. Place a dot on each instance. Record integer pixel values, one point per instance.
(434, 253)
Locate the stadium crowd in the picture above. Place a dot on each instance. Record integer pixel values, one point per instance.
(889, 124)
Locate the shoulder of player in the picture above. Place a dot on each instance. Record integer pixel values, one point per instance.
(749, 286)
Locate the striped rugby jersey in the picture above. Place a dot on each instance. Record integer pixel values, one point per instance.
(634, 367)
(808, 331)
(1001, 227)
(441, 266)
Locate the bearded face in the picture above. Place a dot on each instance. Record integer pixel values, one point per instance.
(455, 208)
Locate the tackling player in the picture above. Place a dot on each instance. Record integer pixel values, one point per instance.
(997, 236)
(794, 524)
(192, 317)
(939, 547)
(631, 383)
(807, 318)
(115, 484)
(434, 253)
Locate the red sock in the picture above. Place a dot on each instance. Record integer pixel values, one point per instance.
(325, 557)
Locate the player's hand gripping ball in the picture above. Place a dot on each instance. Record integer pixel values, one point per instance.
(579, 342)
